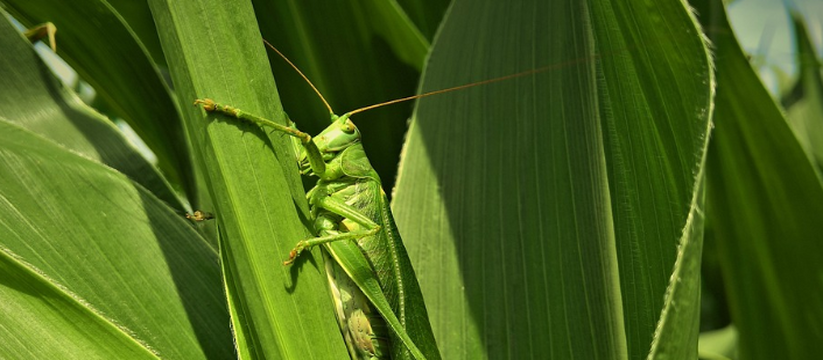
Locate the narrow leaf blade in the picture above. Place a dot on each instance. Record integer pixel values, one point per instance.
(214, 50)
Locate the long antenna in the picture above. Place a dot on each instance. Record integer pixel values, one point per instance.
(464, 86)
(301, 74)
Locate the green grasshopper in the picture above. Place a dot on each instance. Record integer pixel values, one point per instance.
(366, 263)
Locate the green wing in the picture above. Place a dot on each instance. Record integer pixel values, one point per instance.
(354, 263)
(411, 309)
(356, 164)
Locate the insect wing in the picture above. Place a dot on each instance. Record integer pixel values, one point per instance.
(351, 259)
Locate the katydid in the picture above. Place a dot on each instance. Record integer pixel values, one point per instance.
(353, 221)
(366, 263)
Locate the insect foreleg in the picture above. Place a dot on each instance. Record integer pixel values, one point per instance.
(314, 156)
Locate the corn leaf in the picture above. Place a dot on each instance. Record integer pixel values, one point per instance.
(571, 252)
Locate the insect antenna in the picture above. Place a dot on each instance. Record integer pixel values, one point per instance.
(301, 74)
(479, 83)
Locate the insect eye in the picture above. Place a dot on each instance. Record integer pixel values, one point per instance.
(348, 127)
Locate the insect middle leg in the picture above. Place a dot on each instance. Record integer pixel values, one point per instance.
(333, 205)
(308, 243)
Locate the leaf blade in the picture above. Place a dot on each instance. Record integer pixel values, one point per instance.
(95, 233)
(99, 45)
(214, 50)
(36, 100)
(54, 312)
(764, 210)
(530, 212)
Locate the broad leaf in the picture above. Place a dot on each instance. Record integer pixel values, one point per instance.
(36, 100)
(107, 253)
(105, 52)
(36, 311)
(544, 213)
(426, 14)
(93, 261)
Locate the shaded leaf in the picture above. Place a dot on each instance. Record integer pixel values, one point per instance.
(426, 14)
(33, 98)
(543, 213)
(106, 253)
(35, 310)
(806, 115)
(138, 17)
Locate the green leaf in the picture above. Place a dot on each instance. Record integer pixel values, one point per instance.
(426, 14)
(214, 50)
(719, 344)
(84, 243)
(34, 99)
(544, 213)
(138, 17)
(806, 114)
(765, 203)
(104, 51)
(677, 332)
(35, 310)
(93, 261)
(657, 120)
(357, 53)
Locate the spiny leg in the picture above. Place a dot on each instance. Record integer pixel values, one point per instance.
(313, 153)
(347, 212)
(210, 105)
(308, 243)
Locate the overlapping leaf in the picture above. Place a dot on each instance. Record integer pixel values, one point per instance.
(94, 263)
(105, 52)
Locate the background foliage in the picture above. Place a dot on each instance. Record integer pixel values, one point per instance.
(559, 214)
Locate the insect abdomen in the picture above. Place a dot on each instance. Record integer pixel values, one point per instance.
(364, 330)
